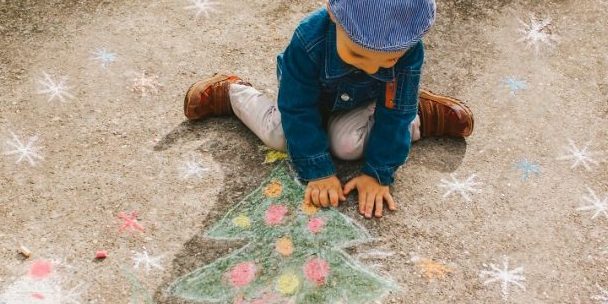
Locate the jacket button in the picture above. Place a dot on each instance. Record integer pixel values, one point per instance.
(345, 97)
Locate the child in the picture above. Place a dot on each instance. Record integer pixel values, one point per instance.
(359, 61)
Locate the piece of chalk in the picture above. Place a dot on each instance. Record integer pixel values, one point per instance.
(101, 254)
(24, 251)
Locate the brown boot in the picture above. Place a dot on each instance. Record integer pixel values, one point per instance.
(209, 97)
(443, 116)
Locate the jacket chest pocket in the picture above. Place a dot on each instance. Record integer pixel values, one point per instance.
(350, 95)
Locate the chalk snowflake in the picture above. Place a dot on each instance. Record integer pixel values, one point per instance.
(463, 188)
(527, 168)
(73, 295)
(537, 32)
(580, 156)
(104, 57)
(192, 168)
(602, 298)
(504, 276)
(596, 204)
(145, 84)
(148, 262)
(202, 7)
(28, 151)
(129, 221)
(515, 84)
(55, 89)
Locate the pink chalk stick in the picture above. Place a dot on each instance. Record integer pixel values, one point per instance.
(101, 254)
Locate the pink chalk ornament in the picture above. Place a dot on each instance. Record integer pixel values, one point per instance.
(316, 271)
(101, 254)
(275, 214)
(38, 296)
(242, 274)
(40, 269)
(316, 224)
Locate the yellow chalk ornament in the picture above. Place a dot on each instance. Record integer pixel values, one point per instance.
(288, 284)
(308, 209)
(274, 156)
(273, 189)
(242, 221)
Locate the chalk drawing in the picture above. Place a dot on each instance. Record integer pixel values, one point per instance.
(145, 84)
(602, 297)
(146, 261)
(537, 32)
(431, 269)
(504, 276)
(202, 7)
(104, 57)
(463, 188)
(375, 254)
(527, 168)
(295, 253)
(22, 151)
(41, 285)
(191, 168)
(273, 156)
(599, 206)
(139, 294)
(580, 156)
(129, 222)
(515, 84)
(55, 90)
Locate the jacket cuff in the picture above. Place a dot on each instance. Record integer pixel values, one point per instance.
(385, 176)
(315, 167)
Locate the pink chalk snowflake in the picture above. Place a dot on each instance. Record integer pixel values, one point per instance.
(275, 214)
(316, 271)
(242, 274)
(40, 270)
(316, 224)
(129, 221)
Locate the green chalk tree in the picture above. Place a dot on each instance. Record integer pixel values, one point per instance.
(294, 254)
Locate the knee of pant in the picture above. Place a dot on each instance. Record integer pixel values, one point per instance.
(276, 143)
(347, 148)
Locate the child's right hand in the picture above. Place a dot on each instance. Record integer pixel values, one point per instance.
(323, 192)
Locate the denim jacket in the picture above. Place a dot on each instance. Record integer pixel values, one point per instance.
(312, 76)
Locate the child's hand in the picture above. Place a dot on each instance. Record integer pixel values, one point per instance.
(324, 192)
(371, 194)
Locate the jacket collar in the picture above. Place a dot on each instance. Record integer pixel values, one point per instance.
(336, 68)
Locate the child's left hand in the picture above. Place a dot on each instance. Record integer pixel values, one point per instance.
(371, 194)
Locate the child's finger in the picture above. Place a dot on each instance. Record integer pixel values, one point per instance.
(307, 196)
(369, 204)
(333, 197)
(350, 185)
(361, 203)
(379, 205)
(390, 202)
(314, 195)
(323, 198)
(341, 195)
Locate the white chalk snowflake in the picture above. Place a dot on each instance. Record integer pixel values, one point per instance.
(504, 276)
(596, 204)
(202, 7)
(580, 156)
(602, 298)
(104, 57)
(463, 188)
(148, 262)
(54, 89)
(27, 152)
(191, 167)
(537, 32)
(146, 84)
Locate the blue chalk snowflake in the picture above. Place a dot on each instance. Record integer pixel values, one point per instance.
(515, 84)
(104, 57)
(527, 168)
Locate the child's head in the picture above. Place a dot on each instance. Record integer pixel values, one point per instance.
(374, 34)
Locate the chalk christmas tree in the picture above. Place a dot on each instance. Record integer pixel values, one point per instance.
(294, 255)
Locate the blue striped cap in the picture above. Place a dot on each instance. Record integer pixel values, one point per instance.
(384, 25)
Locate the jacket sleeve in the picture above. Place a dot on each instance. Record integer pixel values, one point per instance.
(298, 102)
(389, 142)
